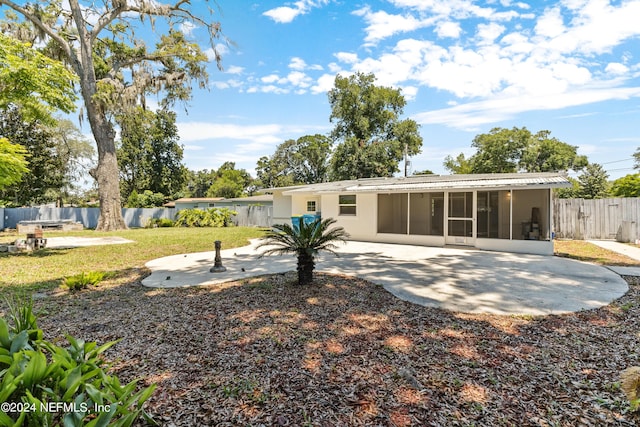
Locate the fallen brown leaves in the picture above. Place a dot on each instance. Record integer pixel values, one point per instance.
(345, 352)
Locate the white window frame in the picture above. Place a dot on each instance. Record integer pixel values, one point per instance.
(347, 205)
(311, 203)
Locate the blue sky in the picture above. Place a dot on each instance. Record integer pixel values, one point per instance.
(571, 67)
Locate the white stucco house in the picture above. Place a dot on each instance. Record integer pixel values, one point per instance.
(502, 212)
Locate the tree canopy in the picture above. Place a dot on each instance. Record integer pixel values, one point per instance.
(627, 186)
(149, 153)
(296, 161)
(46, 168)
(35, 85)
(517, 149)
(58, 157)
(76, 154)
(13, 163)
(371, 138)
(116, 69)
(229, 182)
(33, 82)
(593, 182)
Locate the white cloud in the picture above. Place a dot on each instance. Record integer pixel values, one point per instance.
(448, 29)
(508, 63)
(187, 28)
(283, 14)
(297, 64)
(381, 24)
(211, 53)
(271, 78)
(473, 115)
(597, 26)
(550, 23)
(202, 131)
(234, 69)
(300, 65)
(488, 33)
(220, 85)
(349, 58)
(268, 89)
(616, 68)
(286, 14)
(324, 84)
(299, 79)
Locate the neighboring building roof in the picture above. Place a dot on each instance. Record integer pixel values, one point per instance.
(435, 182)
(198, 199)
(262, 198)
(252, 199)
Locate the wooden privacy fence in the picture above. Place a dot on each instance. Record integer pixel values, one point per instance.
(598, 219)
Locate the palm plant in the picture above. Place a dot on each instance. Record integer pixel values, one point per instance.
(305, 241)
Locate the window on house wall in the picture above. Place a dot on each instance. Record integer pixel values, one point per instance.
(347, 204)
(211, 205)
(311, 205)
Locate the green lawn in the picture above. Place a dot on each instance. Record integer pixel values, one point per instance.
(43, 269)
(342, 351)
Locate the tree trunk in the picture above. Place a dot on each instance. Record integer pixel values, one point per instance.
(106, 173)
(306, 265)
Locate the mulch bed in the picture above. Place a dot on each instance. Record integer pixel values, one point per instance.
(345, 352)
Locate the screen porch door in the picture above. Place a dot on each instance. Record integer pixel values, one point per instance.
(460, 219)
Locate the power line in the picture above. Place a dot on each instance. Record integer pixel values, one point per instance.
(617, 161)
(620, 169)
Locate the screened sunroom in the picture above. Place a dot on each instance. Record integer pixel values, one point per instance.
(508, 212)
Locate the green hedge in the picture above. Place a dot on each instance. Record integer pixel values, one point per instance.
(213, 217)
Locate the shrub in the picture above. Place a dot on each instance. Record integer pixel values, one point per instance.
(213, 217)
(160, 222)
(44, 384)
(306, 241)
(146, 199)
(82, 280)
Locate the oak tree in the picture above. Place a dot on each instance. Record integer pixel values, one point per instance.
(512, 150)
(627, 186)
(371, 137)
(296, 161)
(149, 153)
(116, 67)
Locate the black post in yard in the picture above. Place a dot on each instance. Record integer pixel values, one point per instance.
(217, 266)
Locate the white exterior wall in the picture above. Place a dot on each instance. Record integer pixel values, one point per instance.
(299, 204)
(360, 226)
(363, 226)
(281, 208)
(536, 247)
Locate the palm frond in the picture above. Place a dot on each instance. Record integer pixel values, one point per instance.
(308, 238)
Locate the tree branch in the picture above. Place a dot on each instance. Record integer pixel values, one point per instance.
(108, 17)
(64, 45)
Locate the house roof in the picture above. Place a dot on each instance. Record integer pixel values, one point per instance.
(434, 183)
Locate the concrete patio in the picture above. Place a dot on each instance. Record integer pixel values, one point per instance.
(450, 278)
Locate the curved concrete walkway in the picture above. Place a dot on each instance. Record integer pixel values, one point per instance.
(454, 279)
